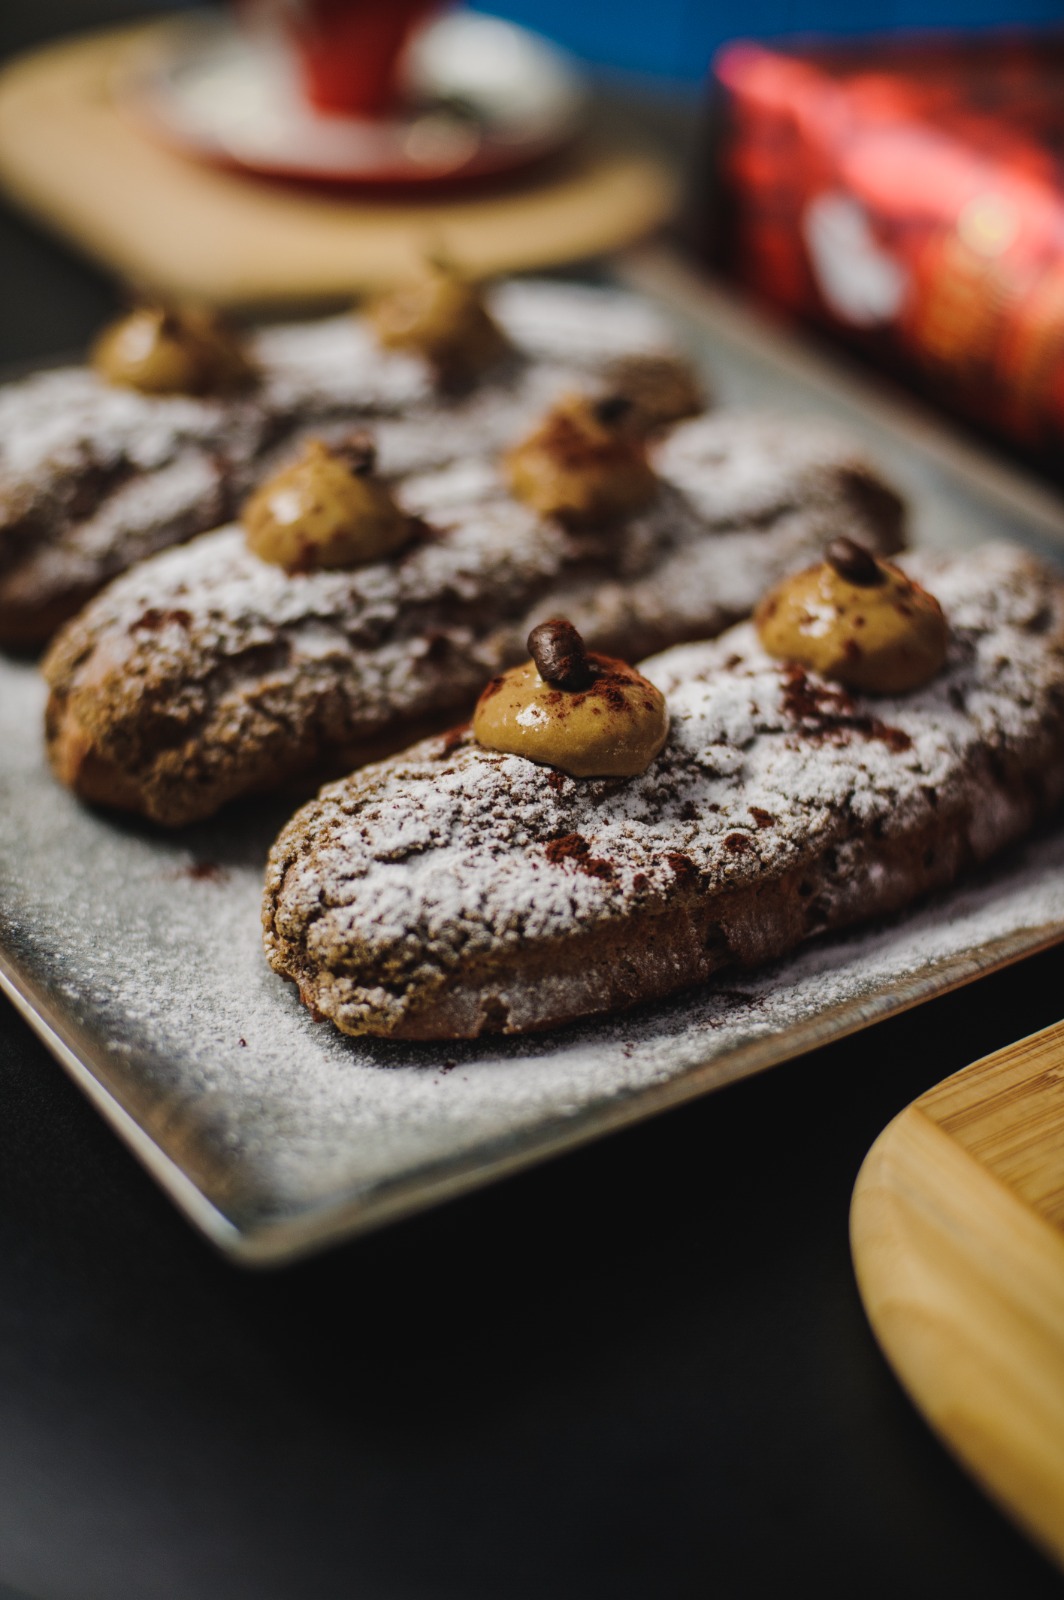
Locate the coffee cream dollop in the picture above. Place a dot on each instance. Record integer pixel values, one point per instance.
(589, 715)
(164, 350)
(326, 510)
(441, 316)
(858, 620)
(583, 464)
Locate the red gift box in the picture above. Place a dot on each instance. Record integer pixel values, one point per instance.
(910, 196)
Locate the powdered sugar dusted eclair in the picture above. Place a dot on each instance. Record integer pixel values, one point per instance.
(164, 433)
(459, 889)
(210, 672)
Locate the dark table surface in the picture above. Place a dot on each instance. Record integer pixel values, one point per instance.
(640, 1370)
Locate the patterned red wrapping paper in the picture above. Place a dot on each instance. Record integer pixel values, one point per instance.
(910, 196)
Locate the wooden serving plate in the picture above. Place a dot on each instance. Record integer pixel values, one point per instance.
(957, 1230)
(176, 227)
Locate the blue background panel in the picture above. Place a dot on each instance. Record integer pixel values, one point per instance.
(677, 38)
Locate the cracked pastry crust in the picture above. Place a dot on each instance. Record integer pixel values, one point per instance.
(206, 673)
(454, 891)
(94, 478)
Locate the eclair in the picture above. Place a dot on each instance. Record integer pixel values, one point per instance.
(348, 613)
(506, 878)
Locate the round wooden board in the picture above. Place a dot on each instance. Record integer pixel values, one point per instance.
(170, 225)
(957, 1230)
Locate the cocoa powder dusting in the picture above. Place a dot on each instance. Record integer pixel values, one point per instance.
(449, 741)
(683, 867)
(152, 620)
(807, 701)
(833, 712)
(575, 848)
(575, 447)
(204, 872)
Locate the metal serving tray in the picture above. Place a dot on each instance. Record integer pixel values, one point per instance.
(136, 956)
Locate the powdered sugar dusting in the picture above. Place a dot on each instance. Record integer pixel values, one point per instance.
(139, 517)
(56, 420)
(336, 362)
(576, 324)
(149, 946)
(754, 464)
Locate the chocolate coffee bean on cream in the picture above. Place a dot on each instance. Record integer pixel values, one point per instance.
(858, 620)
(327, 510)
(560, 655)
(163, 350)
(441, 316)
(659, 391)
(583, 464)
(854, 562)
(589, 715)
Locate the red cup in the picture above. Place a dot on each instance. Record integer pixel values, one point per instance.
(349, 50)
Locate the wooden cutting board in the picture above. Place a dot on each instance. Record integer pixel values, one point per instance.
(175, 227)
(957, 1230)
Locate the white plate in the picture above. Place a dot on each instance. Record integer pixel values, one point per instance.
(484, 97)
